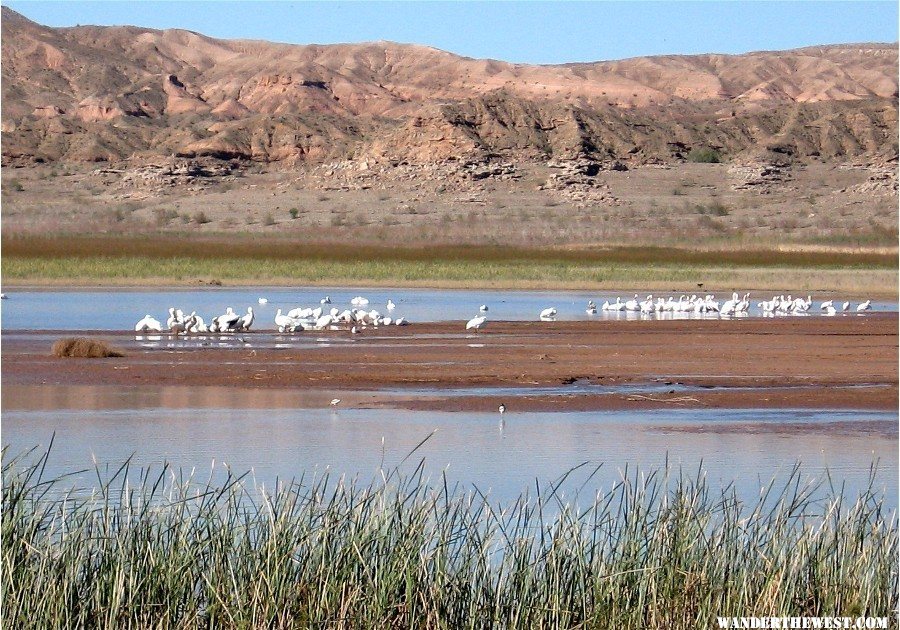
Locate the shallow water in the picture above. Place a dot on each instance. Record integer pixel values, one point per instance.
(284, 441)
(118, 309)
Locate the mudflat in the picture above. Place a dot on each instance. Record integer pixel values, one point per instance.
(848, 362)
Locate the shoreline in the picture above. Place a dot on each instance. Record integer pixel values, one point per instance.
(843, 363)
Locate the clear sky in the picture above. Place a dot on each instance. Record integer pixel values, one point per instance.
(526, 32)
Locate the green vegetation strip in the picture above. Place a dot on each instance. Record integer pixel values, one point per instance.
(272, 248)
(511, 274)
(660, 550)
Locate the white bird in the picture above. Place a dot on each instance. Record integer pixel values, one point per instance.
(298, 312)
(263, 301)
(592, 308)
(325, 300)
(359, 301)
(401, 321)
(199, 325)
(632, 304)
(845, 306)
(476, 322)
(390, 305)
(335, 402)
(228, 321)
(148, 324)
(483, 308)
(548, 312)
(826, 305)
(501, 408)
(829, 310)
(246, 321)
(284, 322)
(3, 296)
(353, 330)
(865, 306)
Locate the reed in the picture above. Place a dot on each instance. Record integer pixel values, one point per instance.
(658, 550)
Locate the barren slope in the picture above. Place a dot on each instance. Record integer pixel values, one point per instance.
(111, 93)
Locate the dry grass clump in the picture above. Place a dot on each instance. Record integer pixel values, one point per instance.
(84, 348)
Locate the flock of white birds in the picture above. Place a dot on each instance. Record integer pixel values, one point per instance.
(296, 319)
(357, 317)
(707, 305)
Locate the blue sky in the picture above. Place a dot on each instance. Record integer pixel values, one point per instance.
(526, 32)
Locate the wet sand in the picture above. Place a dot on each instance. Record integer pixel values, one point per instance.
(806, 362)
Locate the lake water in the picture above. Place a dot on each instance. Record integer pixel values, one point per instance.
(287, 433)
(116, 309)
(283, 441)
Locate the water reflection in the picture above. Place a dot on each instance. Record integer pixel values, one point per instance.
(503, 455)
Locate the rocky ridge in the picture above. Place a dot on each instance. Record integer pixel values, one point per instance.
(129, 95)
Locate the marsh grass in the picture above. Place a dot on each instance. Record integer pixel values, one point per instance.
(655, 550)
(83, 348)
(161, 246)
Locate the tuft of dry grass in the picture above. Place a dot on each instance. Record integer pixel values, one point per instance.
(84, 348)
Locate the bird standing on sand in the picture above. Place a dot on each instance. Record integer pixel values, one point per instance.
(335, 402)
(476, 322)
(865, 306)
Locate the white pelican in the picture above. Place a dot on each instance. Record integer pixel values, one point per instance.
(284, 322)
(865, 306)
(199, 325)
(483, 308)
(826, 305)
(829, 310)
(246, 321)
(845, 306)
(390, 305)
(476, 322)
(3, 296)
(632, 304)
(148, 324)
(592, 308)
(359, 301)
(173, 318)
(548, 312)
(501, 408)
(335, 402)
(324, 321)
(325, 300)
(227, 321)
(263, 301)
(299, 312)
(401, 321)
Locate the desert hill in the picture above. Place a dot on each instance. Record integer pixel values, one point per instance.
(93, 94)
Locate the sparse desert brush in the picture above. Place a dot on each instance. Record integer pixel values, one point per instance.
(84, 348)
(200, 218)
(704, 156)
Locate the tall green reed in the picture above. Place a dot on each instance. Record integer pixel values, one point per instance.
(660, 549)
